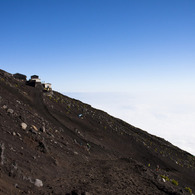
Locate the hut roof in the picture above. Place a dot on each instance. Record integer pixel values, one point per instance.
(35, 76)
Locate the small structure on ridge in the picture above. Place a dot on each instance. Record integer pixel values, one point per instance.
(35, 78)
(47, 86)
(34, 81)
(19, 76)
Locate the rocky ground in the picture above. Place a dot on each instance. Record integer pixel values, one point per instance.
(52, 144)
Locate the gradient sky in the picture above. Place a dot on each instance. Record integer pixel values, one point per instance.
(144, 47)
(100, 45)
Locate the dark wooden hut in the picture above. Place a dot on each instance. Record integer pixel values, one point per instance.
(20, 76)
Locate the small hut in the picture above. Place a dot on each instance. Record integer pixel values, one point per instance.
(47, 86)
(34, 81)
(19, 76)
(35, 78)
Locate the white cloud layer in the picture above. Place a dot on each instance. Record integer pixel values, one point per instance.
(170, 117)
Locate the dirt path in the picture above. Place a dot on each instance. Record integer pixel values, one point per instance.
(42, 108)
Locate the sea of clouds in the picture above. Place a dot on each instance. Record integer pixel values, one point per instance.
(168, 116)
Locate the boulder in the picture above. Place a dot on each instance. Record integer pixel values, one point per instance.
(42, 129)
(10, 111)
(4, 107)
(38, 183)
(43, 146)
(33, 131)
(24, 126)
(34, 128)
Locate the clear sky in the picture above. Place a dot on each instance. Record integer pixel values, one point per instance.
(137, 46)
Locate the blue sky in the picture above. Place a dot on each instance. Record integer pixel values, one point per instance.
(141, 47)
(105, 45)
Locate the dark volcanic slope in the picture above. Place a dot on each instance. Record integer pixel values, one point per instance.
(73, 148)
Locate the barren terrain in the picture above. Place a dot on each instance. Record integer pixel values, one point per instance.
(52, 144)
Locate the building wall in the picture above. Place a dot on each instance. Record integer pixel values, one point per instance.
(47, 85)
(36, 79)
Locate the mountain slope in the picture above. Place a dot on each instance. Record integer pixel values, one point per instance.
(73, 148)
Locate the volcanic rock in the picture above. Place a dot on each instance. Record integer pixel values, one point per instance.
(99, 154)
(10, 111)
(24, 126)
(38, 183)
